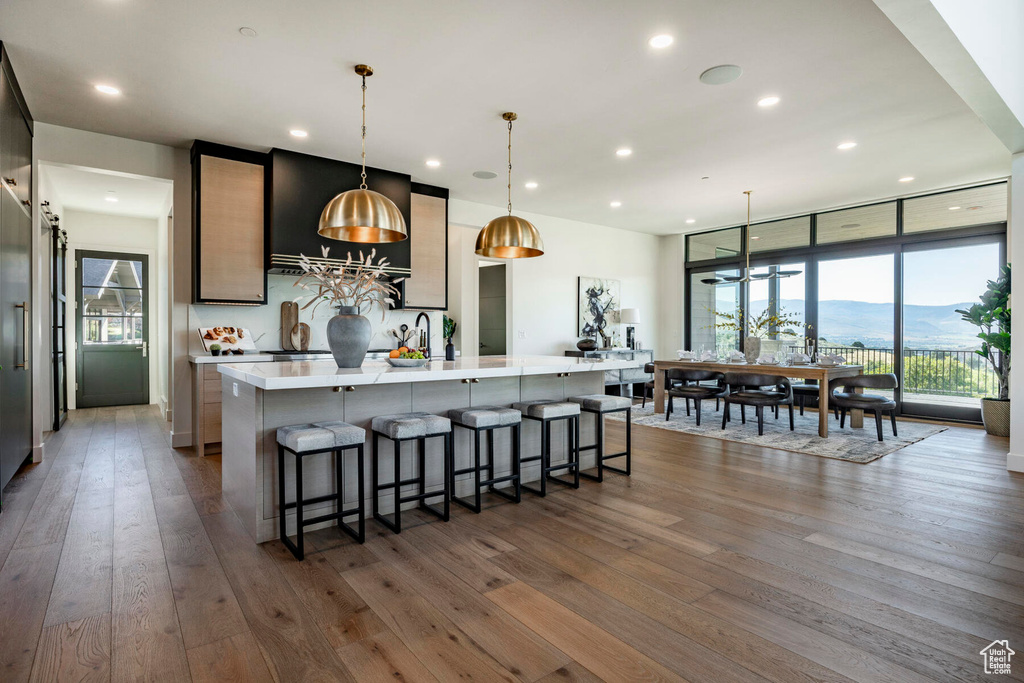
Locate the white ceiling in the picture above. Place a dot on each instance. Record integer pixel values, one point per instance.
(87, 190)
(579, 73)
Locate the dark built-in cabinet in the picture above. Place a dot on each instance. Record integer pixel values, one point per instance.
(15, 275)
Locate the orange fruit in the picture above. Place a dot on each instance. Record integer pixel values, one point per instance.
(403, 349)
(395, 354)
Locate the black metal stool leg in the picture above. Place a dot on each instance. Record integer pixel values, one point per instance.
(298, 506)
(476, 470)
(360, 494)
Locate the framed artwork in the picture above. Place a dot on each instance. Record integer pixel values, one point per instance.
(598, 307)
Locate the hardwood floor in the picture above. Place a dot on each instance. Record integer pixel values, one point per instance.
(715, 561)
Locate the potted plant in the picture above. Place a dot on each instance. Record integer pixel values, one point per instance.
(992, 316)
(214, 349)
(449, 326)
(351, 286)
(757, 326)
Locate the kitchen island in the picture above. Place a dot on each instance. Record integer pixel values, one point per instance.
(260, 397)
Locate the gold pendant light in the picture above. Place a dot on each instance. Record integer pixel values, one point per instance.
(509, 236)
(363, 215)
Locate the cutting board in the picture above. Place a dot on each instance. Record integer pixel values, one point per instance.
(300, 337)
(289, 319)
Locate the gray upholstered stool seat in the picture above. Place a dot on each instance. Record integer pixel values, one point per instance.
(485, 416)
(602, 403)
(411, 425)
(546, 409)
(320, 436)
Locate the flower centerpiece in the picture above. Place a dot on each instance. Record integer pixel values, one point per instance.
(992, 316)
(756, 327)
(352, 286)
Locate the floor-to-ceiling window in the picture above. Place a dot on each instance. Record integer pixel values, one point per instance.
(878, 284)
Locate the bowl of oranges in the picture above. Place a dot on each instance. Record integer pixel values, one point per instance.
(404, 357)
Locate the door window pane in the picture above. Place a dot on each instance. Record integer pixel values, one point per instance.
(848, 225)
(940, 366)
(787, 234)
(856, 311)
(711, 245)
(707, 304)
(963, 208)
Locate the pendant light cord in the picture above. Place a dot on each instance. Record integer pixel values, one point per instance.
(509, 168)
(362, 185)
(747, 274)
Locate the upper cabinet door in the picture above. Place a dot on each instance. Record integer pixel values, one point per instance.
(427, 286)
(230, 230)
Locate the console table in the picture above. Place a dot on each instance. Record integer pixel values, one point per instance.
(625, 377)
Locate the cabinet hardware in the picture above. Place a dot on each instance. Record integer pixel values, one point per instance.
(465, 381)
(475, 381)
(25, 338)
(338, 390)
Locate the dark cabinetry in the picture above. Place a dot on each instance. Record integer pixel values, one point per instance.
(15, 275)
(229, 217)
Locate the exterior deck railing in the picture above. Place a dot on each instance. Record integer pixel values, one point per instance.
(933, 372)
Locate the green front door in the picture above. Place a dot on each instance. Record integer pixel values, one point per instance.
(112, 328)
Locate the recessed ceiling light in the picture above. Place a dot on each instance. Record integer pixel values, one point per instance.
(691, 220)
(296, 132)
(531, 185)
(616, 204)
(755, 237)
(110, 198)
(623, 152)
(768, 101)
(248, 32)
(906, 179)
(721, 74)
(846, 145)
(485, 175)
(954, 208)
(108, 90)
(433, 163)
(660, 41)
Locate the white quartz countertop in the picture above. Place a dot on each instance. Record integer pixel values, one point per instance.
(244, 358)
(324, 373)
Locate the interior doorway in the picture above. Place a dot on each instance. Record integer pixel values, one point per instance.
(492, 312)
(112, 290)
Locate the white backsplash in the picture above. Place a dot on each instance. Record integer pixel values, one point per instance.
(264, 322)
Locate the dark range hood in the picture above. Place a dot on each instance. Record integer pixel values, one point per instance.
(301, 185)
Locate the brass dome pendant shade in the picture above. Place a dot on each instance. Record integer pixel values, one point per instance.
(363, 215)
(509, 236)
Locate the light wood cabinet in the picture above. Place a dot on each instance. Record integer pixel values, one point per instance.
(229, 207)
(427, 286)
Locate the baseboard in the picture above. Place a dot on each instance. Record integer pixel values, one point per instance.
(1014, 462)
(181, 439)
(39, 452)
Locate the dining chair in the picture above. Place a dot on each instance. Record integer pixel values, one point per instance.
(687, 384)
(759, 391)
(847, 399)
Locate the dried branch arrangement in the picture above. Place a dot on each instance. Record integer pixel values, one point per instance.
(356, 282)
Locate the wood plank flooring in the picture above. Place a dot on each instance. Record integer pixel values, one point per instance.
(715, 561)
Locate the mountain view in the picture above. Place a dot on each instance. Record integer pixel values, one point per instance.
(924, 327)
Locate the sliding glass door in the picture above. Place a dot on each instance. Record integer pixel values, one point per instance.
(708, 303)
(942, 374)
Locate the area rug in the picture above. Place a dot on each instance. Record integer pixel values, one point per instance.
(852, 445)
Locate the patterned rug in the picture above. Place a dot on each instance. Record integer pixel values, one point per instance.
(852, 445)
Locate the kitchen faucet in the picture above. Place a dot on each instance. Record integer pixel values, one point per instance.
(424, 315)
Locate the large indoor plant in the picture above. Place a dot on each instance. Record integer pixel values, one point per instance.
(351, 287)
(992, 315)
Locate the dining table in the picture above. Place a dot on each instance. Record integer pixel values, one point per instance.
(822, 373)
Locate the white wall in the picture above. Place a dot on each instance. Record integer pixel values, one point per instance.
(1015, 255)
(104, 232)
(542, 292)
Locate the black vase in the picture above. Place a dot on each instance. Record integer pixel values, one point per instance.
(587, 344)
(449, 351)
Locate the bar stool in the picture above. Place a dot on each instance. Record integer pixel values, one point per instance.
(487, 419)
(416, 427)
(545, 412)
(310, 439)
(600, 405)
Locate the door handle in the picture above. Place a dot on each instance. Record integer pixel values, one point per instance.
(145, 348)
(24, 334)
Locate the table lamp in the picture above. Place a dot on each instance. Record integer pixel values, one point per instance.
(629, 317)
